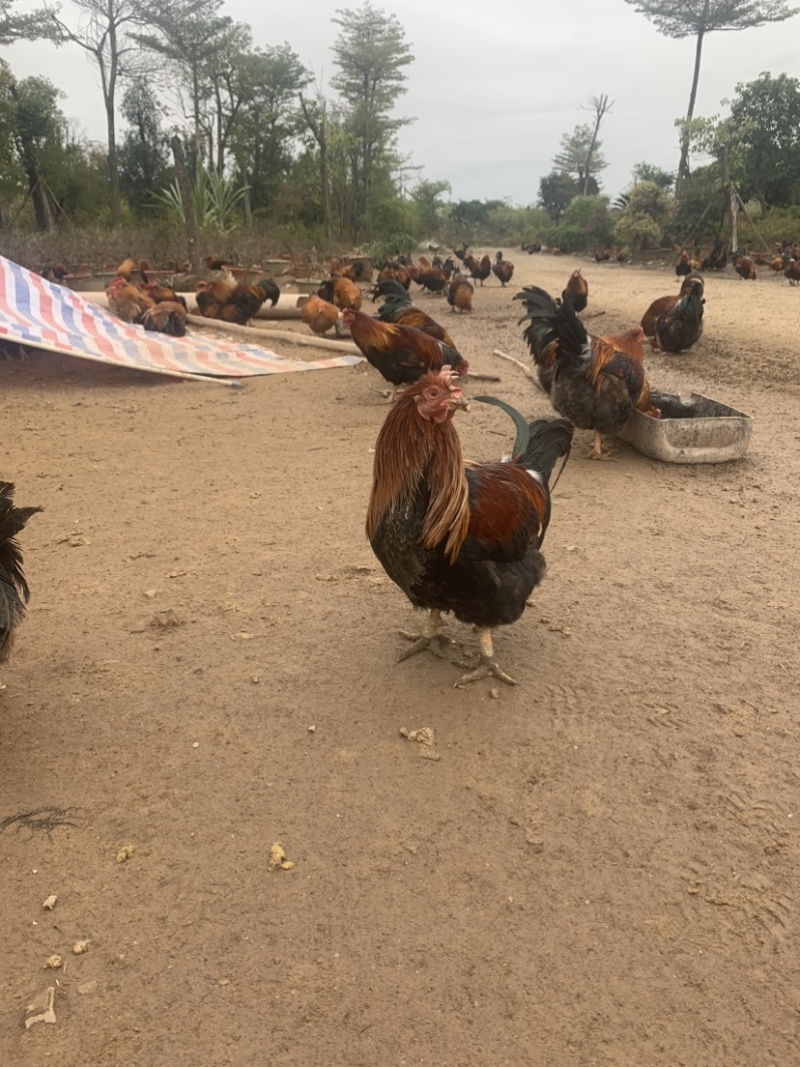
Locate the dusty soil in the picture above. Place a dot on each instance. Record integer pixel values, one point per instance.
(601, 870)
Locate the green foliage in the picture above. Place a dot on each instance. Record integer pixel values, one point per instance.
(143, 160)
(216, 200)
(585, 224)
(688, 18)
(648, 172)
(580, 154)
(648, 199)
(636, 231)
(402, 244)
(555, 192)
(14, 25)
(426, 197)
(768, 110)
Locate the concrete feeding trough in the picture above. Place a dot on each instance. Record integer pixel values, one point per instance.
(309, 286)
(692, 429)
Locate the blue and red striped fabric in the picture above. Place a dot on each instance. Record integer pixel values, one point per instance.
(35, 312)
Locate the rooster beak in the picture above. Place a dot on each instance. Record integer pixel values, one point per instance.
(459, 402)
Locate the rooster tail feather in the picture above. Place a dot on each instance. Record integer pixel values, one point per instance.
(550, 322)
(14, 591)
(270, 290)
(523, 432)
(548, 440)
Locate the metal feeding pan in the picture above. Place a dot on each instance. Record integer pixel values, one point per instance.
(692, 429)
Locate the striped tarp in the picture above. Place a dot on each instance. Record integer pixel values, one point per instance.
(37, 313)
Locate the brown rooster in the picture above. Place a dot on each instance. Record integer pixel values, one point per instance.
(431, 278)
(14, 593)
(745, 268)
(235, 303)
(577, 291)
(399, 353)
(502, 269)
(792, 271)
(167, 316)
(127, 301)
(479, 272)
(460, 293)
(456, 537)
(319, 315)
(665, 303)
(677, 328)
(593, 383)
(397, 308)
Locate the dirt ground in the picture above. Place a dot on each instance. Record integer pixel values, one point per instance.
(600, 870)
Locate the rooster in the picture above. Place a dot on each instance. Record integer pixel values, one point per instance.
(14, 593)
(792, 271)
(665, 303)
(235, 303)
(397, 308)
(745, 268)
(502, 269)
(460, 537)
(431, 278)
(479, 272)
(677, 328)
(167, 316)
(460, 293)
(399, 353)
(592, 382)
(577, 291)
(319, 315)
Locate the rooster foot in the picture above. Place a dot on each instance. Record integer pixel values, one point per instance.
(597, 449)
(429, 639)
(487, 666)
(435, 644)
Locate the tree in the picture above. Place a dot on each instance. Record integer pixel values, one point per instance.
(648, 172)
(581, 158)
(13, 25)
(143, 152)
(697, 18)
(556, 190)
(426, 197)
(771, 107)
(189, 34)
(35, 121)
(600, 105)
(104, 34)
(371, 53)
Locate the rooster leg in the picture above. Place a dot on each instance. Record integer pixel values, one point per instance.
(597, 448)
(487, 666)
(429, 638)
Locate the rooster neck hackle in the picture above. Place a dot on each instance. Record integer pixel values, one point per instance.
(411, 451)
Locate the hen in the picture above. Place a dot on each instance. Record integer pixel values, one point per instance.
(460, 293)
(745, 268)
(592, 381)
(14, 593)
(399, 353)
(341, 292)
(319, 315)
(456, 537)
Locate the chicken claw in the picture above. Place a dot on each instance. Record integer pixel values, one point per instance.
(429, 639)
(487, 666)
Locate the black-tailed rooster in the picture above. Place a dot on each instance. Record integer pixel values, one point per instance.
(14, 592)
(456, 537)
(595, 382)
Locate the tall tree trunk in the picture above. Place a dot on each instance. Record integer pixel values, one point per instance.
(113, 168)
(185, 186)
(733, 200)
(683, 166)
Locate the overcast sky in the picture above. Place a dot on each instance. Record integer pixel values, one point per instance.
(495, 85)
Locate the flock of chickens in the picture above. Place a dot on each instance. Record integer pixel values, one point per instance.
(455, 536)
